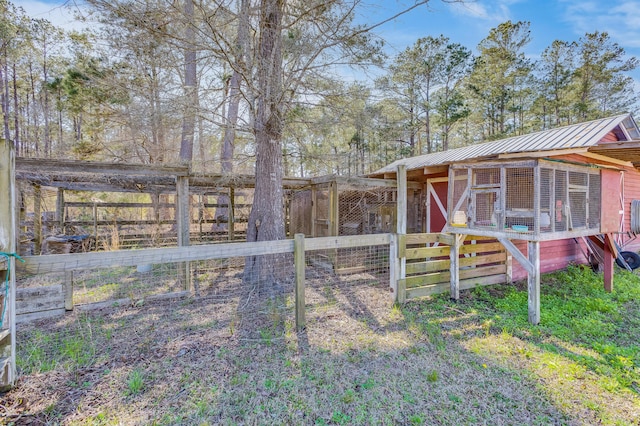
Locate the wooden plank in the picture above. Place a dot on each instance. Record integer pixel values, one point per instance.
(517, 254)
(402, 245)
(299, 259)
(427, 252)
(482, 281)
(466, 284)
(481, 248)
(41, 165)
(445, 264)
(36, 299)
(82, 261)
(428, 279)
(427, 267)
(424, 238)
(347, 241)
(483, 259)
(482, 271)
(34, 316)
(427, 290)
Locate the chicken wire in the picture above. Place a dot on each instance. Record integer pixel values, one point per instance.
(503, 198)
(361, 210)
(345, 280)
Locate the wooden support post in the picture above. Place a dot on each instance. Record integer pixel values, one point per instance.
(509, 270)
(394, 267)
(37, 220)
(533, 282)
(200, 215)
(8, 245)
(333, 209)
(608, 266)
(68, 291)
(60, 210)
(454, 259)
(183, 222)
(334, 221)
(231, 208)
(314, 210)
(401, 225)
(95, 221)
(299, 259)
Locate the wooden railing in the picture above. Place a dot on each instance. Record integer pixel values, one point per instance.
(429, 268)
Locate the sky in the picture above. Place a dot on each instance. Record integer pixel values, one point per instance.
(465, 23)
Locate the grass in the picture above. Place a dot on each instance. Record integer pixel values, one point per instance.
(432, 361)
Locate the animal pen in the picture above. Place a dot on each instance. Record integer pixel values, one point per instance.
(98, 236)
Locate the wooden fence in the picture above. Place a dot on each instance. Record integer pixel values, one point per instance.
(430, 268)
(421, 265)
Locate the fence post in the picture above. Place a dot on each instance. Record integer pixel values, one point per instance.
(183, 219)
(394, 270)
(299, 259)
(37, 220)
(401, 231)
(8, 245)
(68, 291)
(454, 259)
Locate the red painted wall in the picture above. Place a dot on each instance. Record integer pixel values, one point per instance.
(554, 255)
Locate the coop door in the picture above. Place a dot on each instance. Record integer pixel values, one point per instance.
(436, 202)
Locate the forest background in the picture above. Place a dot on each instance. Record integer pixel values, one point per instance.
(166, 82)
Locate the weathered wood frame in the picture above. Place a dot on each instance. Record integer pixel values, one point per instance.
(8, 245)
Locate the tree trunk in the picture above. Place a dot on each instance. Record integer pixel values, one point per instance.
(190, 92)
(266, 220)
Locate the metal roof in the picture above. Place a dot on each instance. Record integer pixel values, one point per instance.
(581, 135)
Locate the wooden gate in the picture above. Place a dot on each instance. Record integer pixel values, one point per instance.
(428, 270)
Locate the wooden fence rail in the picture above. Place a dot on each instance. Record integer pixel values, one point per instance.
(430, 265)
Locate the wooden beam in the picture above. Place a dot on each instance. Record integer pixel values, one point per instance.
(299, 259)
(183, 222)
(517, 254)
(40, 165)
(533, 282)
(433, 170)
(454, 258)
(401, 214)
(8, 225)
(37, 219)
(540, 154)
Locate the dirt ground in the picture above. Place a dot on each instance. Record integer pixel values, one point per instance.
(203, 360)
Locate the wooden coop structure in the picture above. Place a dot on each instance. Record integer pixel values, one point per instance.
(541, 195)
(79, 206)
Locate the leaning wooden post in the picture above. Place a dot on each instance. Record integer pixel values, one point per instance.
(401, 226)
(183, 220)
(37, 220)
(299, 259)
(533, 282)
(8, 245)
